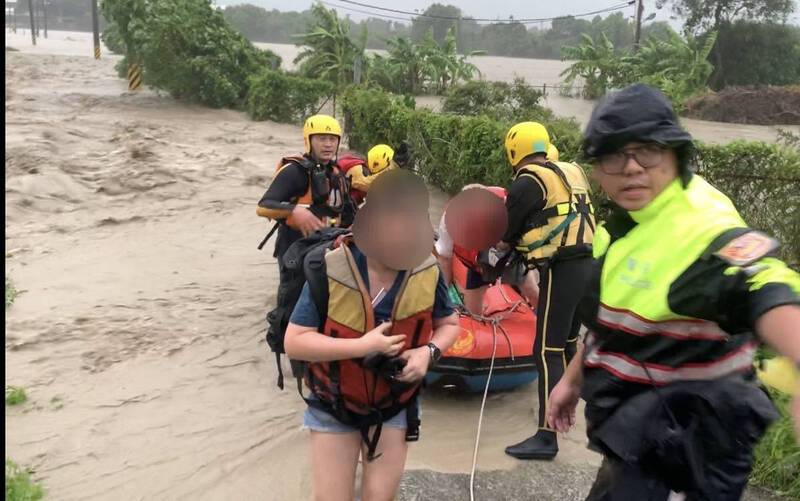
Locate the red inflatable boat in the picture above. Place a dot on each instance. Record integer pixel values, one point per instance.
(465, 366)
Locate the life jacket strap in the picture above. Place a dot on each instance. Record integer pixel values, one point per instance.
(554, 232)
(269, 235)
(280, 369)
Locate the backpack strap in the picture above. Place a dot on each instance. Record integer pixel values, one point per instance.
(316, 276)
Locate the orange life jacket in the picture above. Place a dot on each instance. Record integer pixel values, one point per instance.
(346, 383)
(310, 198)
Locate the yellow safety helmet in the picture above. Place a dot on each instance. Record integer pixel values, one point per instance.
(552, 153)
(525, 139)
(320, 124)
(379, 158)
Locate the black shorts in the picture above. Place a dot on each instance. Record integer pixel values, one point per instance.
(475, 280)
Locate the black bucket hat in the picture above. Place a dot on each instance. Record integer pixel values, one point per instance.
(636, 113)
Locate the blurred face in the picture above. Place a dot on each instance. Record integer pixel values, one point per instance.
(476, 219)
(399, 239)
(636, 174)
(324, 146)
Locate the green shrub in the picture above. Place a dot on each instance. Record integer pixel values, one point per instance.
(763, 181)
(789, 139)
(372, 116)
(15, 395)
(777, 456)
(756, 53)
(499, 100)
(19, 486)
(449, 150)
(273, 95)
(113, 39)
(187, 49)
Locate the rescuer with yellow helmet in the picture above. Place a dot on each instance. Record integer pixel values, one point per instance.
(362, 173)
(551, 225)
(308, 192)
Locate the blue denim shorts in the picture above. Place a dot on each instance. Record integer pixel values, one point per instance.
(318, 420)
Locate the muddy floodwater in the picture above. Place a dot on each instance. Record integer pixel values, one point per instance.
(138, 334)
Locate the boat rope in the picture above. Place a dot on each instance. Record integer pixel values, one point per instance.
(495, 322)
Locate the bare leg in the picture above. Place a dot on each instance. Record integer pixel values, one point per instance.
(473, 299)
(382, 476)
(334, 458)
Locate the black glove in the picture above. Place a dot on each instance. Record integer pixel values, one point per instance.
(402, 156)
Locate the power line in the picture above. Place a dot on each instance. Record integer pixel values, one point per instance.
(451, 18)
(373, 14)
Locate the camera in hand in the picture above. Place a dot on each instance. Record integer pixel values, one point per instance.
(387, 367)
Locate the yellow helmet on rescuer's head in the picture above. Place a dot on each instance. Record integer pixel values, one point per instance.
(379, 158)
(320, 124)
(524, 139)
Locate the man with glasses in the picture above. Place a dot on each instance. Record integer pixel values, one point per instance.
(551, 225)
(681, 287)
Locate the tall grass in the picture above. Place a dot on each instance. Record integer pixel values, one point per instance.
(777, 456)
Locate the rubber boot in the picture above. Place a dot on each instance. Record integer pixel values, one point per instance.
(543, 445)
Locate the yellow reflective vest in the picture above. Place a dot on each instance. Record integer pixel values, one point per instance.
(567, 220)
(676, 292)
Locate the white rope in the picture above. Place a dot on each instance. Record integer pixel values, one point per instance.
(494, 320)
(480, 416)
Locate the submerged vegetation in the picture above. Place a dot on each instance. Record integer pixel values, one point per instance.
(19, 485)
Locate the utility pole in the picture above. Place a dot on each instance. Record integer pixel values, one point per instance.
(96, 29)
(33, 24)
(637, 34)
(44, 11)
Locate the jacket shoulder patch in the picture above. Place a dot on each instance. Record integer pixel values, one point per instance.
(747, 248)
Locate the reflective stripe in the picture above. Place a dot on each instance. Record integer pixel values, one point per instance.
(629, 322)
(626, 368)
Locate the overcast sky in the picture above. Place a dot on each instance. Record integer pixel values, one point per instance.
(478, 8)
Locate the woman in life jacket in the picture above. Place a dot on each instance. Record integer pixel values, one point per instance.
(383, 320)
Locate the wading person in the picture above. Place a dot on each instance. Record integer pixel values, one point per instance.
(551, 224)
(307, 193)
(370, 324)
(681, 287)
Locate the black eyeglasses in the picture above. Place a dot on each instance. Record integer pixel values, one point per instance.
(648, 156)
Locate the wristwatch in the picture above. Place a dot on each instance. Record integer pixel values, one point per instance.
(436, 354)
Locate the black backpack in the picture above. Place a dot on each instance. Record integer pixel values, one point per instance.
(303, 261)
